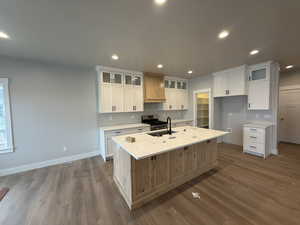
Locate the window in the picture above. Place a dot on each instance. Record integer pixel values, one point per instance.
(6, 144)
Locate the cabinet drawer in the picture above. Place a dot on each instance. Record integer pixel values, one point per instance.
(257, 148)
(254, 134)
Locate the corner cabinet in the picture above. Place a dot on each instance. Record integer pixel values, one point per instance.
(119, 90)
(176, 94)
(231, 82)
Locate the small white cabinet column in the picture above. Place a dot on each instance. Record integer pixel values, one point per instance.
(257, 138)
(259, 82)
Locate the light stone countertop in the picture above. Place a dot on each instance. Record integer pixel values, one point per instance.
(146, 145)
(124, 126)
(259, 124)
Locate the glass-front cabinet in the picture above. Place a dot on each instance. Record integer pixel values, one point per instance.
(259, 72)
(112, 78)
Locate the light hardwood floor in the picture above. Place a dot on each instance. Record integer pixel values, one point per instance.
(243, 190)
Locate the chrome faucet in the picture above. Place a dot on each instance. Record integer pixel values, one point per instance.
(169, 122)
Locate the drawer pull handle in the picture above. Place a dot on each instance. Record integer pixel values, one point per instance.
(252, 147)
(253, 129)
(118, 132)
(252, 137)
(140, 129)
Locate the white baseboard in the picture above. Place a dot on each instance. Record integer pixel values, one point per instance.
(47, 163)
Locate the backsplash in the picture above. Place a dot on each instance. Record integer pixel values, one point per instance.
(110, 119)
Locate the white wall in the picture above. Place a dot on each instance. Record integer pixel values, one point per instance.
(289, 78)
(52, 106)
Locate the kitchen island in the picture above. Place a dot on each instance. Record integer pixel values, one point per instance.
(153, 165)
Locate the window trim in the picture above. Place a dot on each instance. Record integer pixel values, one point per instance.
(10, 148)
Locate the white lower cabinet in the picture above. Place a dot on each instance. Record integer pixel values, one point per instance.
(106, 134)
(257, 139)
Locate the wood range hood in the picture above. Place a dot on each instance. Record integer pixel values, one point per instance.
(154, 88)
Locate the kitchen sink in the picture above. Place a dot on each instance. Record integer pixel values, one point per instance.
(160, 133)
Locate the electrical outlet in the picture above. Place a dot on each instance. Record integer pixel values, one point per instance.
(65, 149)
(229, 130)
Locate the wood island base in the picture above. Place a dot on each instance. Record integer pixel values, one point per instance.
(140, 181)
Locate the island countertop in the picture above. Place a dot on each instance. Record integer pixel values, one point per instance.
(146, 145)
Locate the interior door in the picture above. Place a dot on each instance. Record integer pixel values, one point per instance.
(289, 111)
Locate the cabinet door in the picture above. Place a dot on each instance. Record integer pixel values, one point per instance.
(176, 164)
(117, 98)
(220, 84)
(201, 154)
(190, 159)
(109, 147)
(160, 170)
(236, 83)
(167, 105)
(105, 103)
(141, 176)
(259, 95)
(138, 101)
(128, 98)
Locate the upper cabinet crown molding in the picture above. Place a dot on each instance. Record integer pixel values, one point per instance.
(231, 82)
(100, 68)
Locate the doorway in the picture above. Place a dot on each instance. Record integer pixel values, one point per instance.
(289, 111)
(202, 108)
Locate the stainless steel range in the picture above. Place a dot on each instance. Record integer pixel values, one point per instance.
(154, 122)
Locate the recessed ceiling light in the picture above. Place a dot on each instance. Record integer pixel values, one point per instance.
(254, 52)
(190, 71)
(289, 66)
(160, 2)
(115, 57)
(223, 34)
(4, 35)
(160, 66)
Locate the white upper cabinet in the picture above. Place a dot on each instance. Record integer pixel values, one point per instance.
(259, 86)
(119, 90)
(133, 93)
(176, 94)
(110, 88)
(231, 82)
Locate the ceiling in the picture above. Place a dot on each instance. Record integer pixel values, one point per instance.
(181, 35)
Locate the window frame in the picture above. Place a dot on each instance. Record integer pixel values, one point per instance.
(10, 148)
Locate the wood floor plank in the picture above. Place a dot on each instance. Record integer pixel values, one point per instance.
(243, 189)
